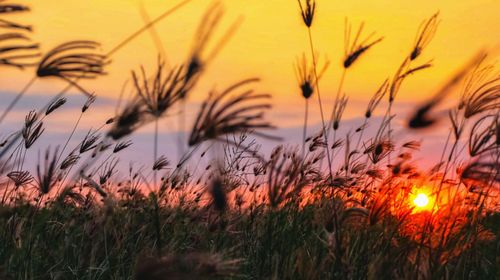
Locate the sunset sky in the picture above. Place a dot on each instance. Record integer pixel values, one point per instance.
(268, 41)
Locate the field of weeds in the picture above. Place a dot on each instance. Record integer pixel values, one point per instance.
(350, 205)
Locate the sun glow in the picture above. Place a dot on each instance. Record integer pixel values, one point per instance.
(421, 200)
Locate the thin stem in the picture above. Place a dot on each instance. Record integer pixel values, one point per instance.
(155, 149)
(389, 132)
(304, 135)
(182, 126)
(333, 144)
(363, 127)
(16, 99)
(154, 34)
(337, 96)
(146, 27)
(320, 103)
(70, 136)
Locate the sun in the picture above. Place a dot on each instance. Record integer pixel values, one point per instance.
(421, 200)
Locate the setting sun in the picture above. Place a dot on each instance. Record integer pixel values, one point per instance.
(421, 200)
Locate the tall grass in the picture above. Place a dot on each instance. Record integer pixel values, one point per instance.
(249, 215)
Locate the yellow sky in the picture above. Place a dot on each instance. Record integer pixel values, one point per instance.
(269, 39)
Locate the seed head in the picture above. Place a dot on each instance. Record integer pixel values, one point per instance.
(307, 10)
(352, 52)
(16, 49)
(221, 115)
(73, 60)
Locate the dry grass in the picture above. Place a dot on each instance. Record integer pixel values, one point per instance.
(248, 215)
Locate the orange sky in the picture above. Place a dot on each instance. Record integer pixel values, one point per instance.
(266, 45)
(268, 41)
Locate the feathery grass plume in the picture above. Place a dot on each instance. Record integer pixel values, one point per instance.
(404, 70)
(421, 118)
(89, 142)
(425, 33)
(6, 8)
(305, 77)
(73, 60)
(108, 170)
(402, 73)
(127, 121)
(376, 98)
(30, 118)
(352, 52)
(338, 111)
(483, 137)
(198, 58)
(288, 173)
(482, 90)
(20, 178)
(10, 8)
(32, 130)
(378, 150)
(121, 146)
(482, 172)
(47, 178)
(69, 161)
(55, 105)
(307, 11)
(70, 61)
(109, 53)
(90, 100)
(424, 37)
(220, 115)
(154, 98)
(162, 92)
(372, 105)
(17, 50)
(161, 163)
(95, 57)
(204, 33)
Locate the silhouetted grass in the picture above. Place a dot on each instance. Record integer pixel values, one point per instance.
(248, 215)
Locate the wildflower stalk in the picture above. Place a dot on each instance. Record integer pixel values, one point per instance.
(72, 83)
(70, 136)
(325, 133)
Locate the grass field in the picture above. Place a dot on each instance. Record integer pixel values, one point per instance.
(337, 206)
